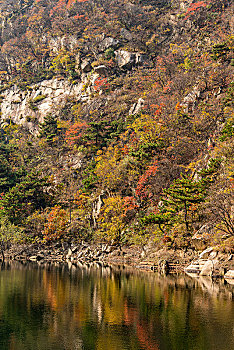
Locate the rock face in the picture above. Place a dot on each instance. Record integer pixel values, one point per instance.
(86, 66)
(101, 70)
(212, 263)
(96, 209)
(206, 253)
(229, 274)
(126, 60)
(140, 58)
(201, 238)
(203, 267)
(207, 269)
(191, 99)
(31, 106)
(196, 266)
(126, 34)
(136, 107)
(108, 43)
(66, 42)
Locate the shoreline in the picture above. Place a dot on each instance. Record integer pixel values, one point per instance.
(209, 262)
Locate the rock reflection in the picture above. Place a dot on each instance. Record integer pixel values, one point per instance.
(94, 306)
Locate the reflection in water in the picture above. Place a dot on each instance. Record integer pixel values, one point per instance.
(67, 307)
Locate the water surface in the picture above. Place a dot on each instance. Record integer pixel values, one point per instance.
(67, 307)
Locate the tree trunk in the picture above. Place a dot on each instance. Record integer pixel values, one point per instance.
(3, 256)
(186, 217)
(160, 227)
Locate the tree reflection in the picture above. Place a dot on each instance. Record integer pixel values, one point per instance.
(97, 307)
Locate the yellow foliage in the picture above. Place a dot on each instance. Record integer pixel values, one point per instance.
(111, 219)
(113, 168)
(147, 129)
(107, 169)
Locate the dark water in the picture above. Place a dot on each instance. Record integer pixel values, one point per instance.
(68, 308)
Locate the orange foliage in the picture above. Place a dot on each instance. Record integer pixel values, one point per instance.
(63, 4)
(194, 7)
(129, 204)
(75, 132)
(56, 225)
(142, 186)
(101, 83)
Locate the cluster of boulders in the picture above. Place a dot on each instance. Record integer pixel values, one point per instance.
(62, 253)
(89, 253)
(125, 60)
(212, 263)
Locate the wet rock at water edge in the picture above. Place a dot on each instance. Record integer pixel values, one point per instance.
(33, 258)
(229, 274)
(206, 253)
(207, 269)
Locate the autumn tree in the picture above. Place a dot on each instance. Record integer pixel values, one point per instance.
(56, 225)
(114, 217)
(181, 197)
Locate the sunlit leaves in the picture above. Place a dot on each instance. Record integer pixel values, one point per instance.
(75, 132)
(56, 224)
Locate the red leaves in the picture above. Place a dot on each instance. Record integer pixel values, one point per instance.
(75, 132)
(78, 16)
(129, 204)
(125, 150)
(142, 189)
(101, 83)
(194, 7)
(62, 5)
(157, 109)
(56, 224)
(167, 87)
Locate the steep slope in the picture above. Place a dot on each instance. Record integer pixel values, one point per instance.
(124, 109)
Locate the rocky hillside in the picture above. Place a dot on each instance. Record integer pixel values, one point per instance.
(117, 121)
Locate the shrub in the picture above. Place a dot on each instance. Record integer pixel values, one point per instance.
(9, 234)
(56, 225)
(228, 130)
(39, 98)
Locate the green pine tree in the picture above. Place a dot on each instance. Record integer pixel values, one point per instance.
(160, 219)
(8, 176)
(27, 196)
(181, 194)
(49, 129)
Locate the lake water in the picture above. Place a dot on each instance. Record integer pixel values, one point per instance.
(68, 307)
